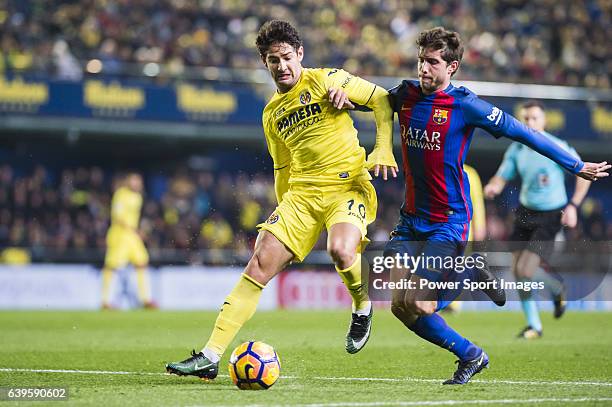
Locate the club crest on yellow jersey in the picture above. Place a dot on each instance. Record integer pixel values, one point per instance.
(440, 116)
(273, 218)
(305, 97)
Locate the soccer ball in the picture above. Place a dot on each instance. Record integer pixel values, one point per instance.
(254, 366)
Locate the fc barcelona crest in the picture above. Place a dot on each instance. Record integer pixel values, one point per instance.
(440, 116)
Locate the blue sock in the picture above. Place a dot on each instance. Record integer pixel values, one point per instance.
(434, 329)
(530, 308)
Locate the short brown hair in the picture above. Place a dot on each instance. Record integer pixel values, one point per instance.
(274, 32)
(440, 38)
(533, 103)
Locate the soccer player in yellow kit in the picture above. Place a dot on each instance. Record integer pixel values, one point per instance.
(321, 180)
(478, 224)
(124, 244)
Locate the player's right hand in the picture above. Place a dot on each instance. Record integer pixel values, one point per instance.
(491, 190)
(339, 99)
(594, 171)
(569, 216)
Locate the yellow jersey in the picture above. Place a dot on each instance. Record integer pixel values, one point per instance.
(125, 208)
(312, 142)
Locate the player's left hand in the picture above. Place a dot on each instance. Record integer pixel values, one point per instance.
(594, 171)
(385, 169)
(339, 99)
(569, 216)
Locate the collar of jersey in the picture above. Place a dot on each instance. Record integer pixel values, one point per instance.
(449, 88)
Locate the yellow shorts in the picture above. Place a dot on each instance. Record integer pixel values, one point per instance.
(305, 209)
(124, 247)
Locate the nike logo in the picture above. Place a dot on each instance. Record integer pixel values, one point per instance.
(198, 367)
(359, 344)
(406, 108)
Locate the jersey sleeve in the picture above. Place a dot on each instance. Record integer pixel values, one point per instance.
(480, 113)
(382, 154)
(573, 151)
(358, 90)
(373, 97)
(507, 169)
(282, 163)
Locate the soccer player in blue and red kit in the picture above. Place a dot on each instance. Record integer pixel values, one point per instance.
(436, 124)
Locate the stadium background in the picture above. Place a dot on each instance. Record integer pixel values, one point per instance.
(175, 90)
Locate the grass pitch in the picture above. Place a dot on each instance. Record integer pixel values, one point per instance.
(89, 351)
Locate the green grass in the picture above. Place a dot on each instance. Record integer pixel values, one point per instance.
(311, 345)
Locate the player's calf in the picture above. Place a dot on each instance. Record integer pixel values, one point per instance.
(493, 287)
(560, 302)
(269, 258)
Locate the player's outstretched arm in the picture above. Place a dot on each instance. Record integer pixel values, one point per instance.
(480, 113)
(347, 91)
(379, 165)
(381, 159)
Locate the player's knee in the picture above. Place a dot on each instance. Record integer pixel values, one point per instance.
(522, 270)
(342, 253)
(419, 308)
(423, 308)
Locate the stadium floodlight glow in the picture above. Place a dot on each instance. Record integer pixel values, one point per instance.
(151, 69)
(94, 66)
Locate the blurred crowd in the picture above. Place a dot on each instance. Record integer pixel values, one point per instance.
(546, 41)
(186, 212)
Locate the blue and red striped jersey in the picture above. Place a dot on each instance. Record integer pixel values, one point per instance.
(436, 131)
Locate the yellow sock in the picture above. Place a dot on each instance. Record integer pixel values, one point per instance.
(352, 280)
(142, 281)
(107, 278)
(238, 308)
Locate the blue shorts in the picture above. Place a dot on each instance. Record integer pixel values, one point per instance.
(415, 235)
